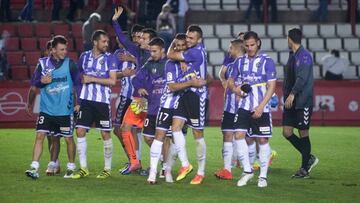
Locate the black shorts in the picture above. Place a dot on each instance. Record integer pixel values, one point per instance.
(164, 119)
(297, 118)
(261, 127)
(149, 126)
(55, 125)
(121, 109)
(192, 108)
(228, 121)
(97, 112)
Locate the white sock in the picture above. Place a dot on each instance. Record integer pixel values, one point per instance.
(71, 166)
(52, 164)
(155, 152)
(243, 152)
(264, 156)
(252, 153)
(179, 140)
(57, 163)
(108, 148)
(227, 154)
(201, 155)
(171, 157)
(35, 165)
(138, 151)
(234, 155)
(82, 147)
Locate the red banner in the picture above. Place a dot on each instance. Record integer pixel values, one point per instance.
(342, 99)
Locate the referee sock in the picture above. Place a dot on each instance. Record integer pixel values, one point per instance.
(306, 149)
(243, 152)
(155, 152)
(252, 153)
(201, 155)
(227, 154)
(264, 158)
(295, 141)
(108, 148)
(130, 146)
(82, 147)
(179, 140)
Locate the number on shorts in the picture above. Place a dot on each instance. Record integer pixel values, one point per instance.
(163, 116)
(236, 117)
(176, 104)
(79, 115)
(41, 119)
(146, 122)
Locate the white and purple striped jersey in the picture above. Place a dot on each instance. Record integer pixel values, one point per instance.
(127, 88)
(173, 72)
(230, 102)
(99, 67)
(195, 57)
(255, 71)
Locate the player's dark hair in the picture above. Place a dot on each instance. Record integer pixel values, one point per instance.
(48, 45)
(180, 36)
(195, 28)
(335, 52)
(96, 35)
(157, 42)
(152, 33)
(239, 34)
(136, 28)
(295, 35)
(252, 35)
(58, 39)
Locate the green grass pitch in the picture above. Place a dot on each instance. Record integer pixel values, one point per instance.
(335, 179)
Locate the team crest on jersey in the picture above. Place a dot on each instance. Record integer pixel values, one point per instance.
(169, 77)
(153, 70)
(102, 61)
(297, 63)
(258, 64)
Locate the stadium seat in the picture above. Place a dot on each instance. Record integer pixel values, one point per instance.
(266, 44)
(280, 72)
(208, 30)
(25, 30)
(32, 70)
(297, 5)
(283, 57)
(316, 72)
(61, 29)
(20, 72)
(216, 58)
(73, 56)
(351, 44)
(275, 30)
(43, 42)
(17, 4)
(216, 72)
(29, 44)
(225, 42)
(273, 55)
(288, 27)
(70, 45)
(32, 57)
(79, 44)
(212, 5)
(350, 73)
(333, 43)
(13, 44)
(15, 57)
(345, 55)
(310, 30)
(355, 58)
(43, 30)
(76, 29)
(10, 27)
(211, 44)
(327, 30)
(38, 4)
(316, 44)
(230, 5)
(259, 29)
(223, 30)
(210, 70)
(319, 55)
(343, 30)
(280, 44)
(239, 28)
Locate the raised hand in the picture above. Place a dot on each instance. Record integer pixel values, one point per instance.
(118, 12)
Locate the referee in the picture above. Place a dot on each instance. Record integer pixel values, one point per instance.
(298, 95)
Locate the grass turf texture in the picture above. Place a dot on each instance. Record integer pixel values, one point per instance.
(335, 179)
